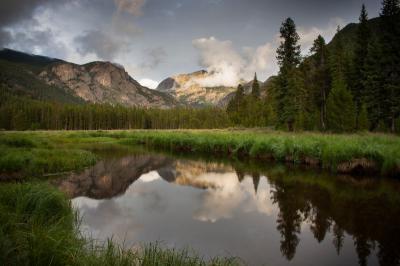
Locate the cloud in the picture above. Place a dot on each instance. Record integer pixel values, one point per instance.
(228, 67)
(100, 44)
(133, 7)
(30, 36)
(13, 12)
(221, 60)
(149, 83)
(229, 196)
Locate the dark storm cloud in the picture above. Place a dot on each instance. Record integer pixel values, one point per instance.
(126, 30)
(12, 11)
(17, 11)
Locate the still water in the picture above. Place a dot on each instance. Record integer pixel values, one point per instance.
(270, 215)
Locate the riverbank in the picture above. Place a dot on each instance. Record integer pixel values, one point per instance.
(360, 154)
(42, 153)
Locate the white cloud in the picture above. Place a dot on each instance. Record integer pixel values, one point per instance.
(228, 66)
(149, 83)
(229, 195)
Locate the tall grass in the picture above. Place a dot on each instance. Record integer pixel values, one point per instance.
(39, 227)
(381, 153)
(46, 152)
(23, 155)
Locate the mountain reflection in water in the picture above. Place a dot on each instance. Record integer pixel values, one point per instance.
(240, 210)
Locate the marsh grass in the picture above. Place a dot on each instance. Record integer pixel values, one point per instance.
(24, 155)
(324, 150)
(38, 227)
(38, 153)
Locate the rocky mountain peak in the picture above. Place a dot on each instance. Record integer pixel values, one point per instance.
(103, 82)
(187, 89)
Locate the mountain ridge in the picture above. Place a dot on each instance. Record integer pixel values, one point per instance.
(187, 90)
(93, 82)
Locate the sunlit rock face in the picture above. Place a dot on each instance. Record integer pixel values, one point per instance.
(104, 82)
(194, 89)
(187, 89)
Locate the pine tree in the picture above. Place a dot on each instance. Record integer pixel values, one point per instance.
(288, 59)
(358, 66)
(390, 8)
(340, 108)
(236, 105)
(390, 28)
(363, 123)
(321, 78)
(255, 88)
(374, 94)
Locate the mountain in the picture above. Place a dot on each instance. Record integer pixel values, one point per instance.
(187, 89)
(97, 82)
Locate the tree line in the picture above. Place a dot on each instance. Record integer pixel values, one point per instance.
(338, 87)
(21, 113)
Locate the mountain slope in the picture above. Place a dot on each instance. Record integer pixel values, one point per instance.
(18, 74)
(186, 89)
(96, 82)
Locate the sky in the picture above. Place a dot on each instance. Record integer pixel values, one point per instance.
(155, 39)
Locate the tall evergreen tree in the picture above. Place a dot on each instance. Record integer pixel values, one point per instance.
(373, 82)
(390, 43)
(255, 88)
(321, 78)
(236, 105)
(288, 59)
(340, 105)
(340, 108)
(358, 66)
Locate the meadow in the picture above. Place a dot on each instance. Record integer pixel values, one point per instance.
(37, 154)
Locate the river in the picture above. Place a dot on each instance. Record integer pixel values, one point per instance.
(263, 214)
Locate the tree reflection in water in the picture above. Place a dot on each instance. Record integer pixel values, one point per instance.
(367, 210)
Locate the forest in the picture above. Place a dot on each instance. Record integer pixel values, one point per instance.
(351, 84)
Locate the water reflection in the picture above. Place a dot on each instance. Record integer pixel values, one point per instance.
(240, 210)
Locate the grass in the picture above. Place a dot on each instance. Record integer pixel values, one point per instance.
(381, 153)
(39, 227)
(23, 155)
(38, 153)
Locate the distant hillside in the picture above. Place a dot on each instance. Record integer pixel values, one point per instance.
(186, 89)
(53, 79)
(19, 73)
